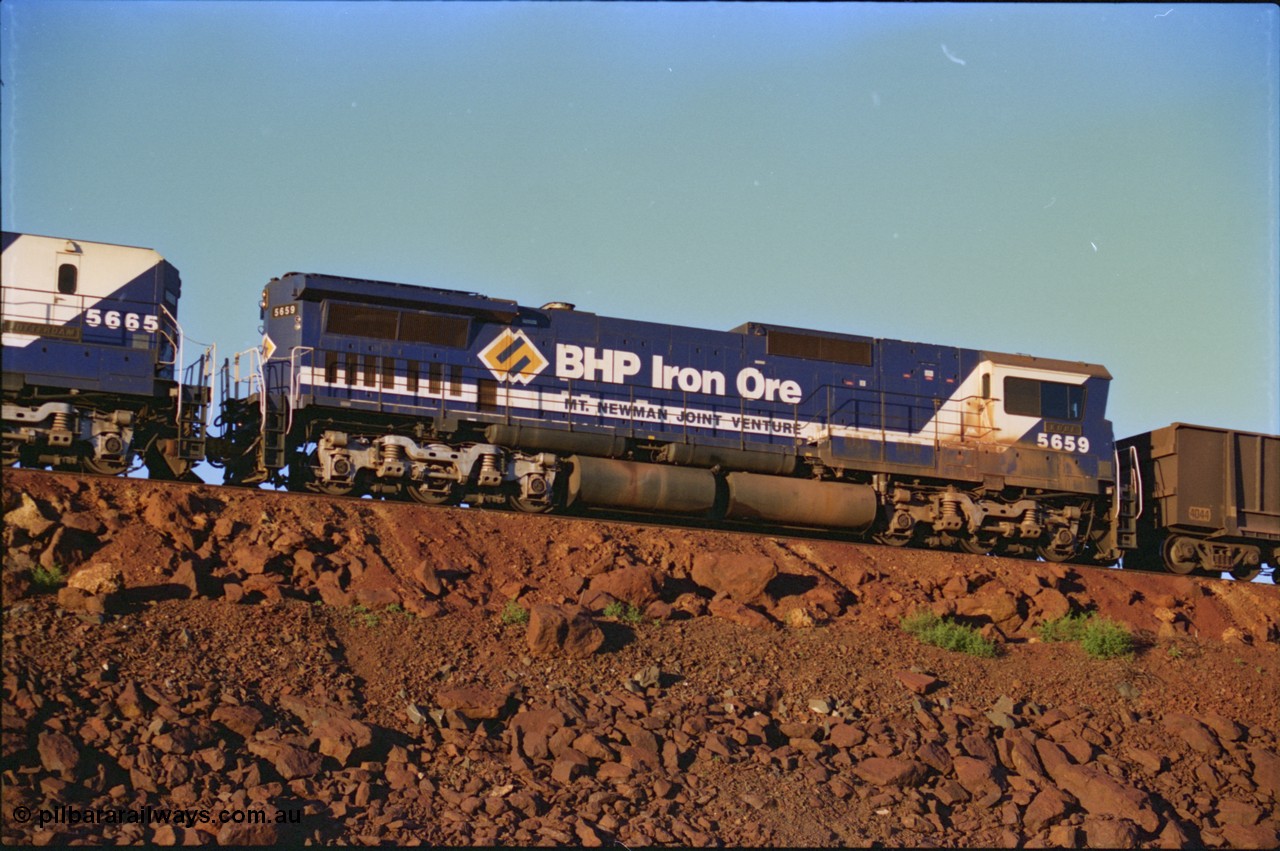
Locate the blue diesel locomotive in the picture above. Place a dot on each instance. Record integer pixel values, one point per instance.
(92, 360)
(445, 397)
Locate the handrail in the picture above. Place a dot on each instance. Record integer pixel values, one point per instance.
(1137, 473)
(256, 378)
(295, 380)
(177, 356)
(922, 416)
(1119, 474)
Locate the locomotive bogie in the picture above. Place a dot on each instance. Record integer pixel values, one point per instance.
(947, 516)
(431, 471)
(1185, 554)
(59, 435)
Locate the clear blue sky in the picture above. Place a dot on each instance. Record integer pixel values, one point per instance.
(1090, 182)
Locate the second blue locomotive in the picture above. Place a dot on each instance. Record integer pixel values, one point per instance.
(94, 376)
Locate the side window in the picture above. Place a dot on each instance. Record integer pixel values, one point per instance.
(1053, 400)
(1022, 397)
(67, 275)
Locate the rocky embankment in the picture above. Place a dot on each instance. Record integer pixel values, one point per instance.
(246, 667)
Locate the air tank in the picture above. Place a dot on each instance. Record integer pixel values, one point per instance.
(643, 487)
(800, 502)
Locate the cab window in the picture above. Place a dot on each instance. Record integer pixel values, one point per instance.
(67, 274)
(1029, 397)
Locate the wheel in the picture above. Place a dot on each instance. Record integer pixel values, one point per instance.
(981, 545)
(1089, 555)
(103, 468)
(421, 494)
(306, 477)
(528, 506)
(1054, 554)
(1246, 574)
(1179, 555)
(333, 488)
(164, 468)
(892, 540)
(941, 541)
(1059, 546)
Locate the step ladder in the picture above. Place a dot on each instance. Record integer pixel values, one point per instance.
(1128, 502)
(194, 396)
(244, 419)
(275, 426)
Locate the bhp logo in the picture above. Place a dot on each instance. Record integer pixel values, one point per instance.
(513, 357)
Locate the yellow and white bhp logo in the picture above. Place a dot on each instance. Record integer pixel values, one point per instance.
(513, 357)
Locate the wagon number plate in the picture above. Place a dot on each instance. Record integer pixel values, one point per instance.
(284, 310)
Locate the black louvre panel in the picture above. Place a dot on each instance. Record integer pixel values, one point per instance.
(359, 321)
(788, 344)
(434, 329)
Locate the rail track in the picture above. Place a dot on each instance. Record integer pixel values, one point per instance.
(596, 515)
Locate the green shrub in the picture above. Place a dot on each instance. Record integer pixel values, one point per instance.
(1101, 638)
(1069, 628)
(1105, 639)
(514, 613)
(625, 612)
(49, 578)
(922, 620)
(948, 635)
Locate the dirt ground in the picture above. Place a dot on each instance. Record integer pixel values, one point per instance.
(249, 667)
